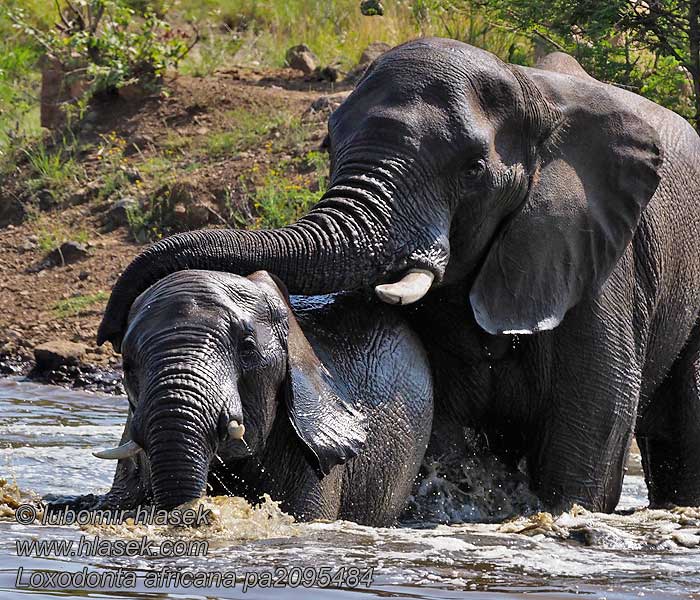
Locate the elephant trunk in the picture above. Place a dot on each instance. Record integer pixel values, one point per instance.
(179, 440)
(342, 244)
(179, 469)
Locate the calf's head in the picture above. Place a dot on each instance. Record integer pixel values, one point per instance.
(210, 360)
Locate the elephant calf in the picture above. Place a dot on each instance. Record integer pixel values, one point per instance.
(323, 403)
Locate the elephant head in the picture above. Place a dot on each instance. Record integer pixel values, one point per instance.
(210, 361)
(449, 165)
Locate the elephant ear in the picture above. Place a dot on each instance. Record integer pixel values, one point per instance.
(594, 176)
(328, 425)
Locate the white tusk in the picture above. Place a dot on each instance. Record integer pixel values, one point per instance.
(130, 448)
(411, 288)
(236, 430)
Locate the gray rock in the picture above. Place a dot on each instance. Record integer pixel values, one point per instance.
(373, 52)
(118, 213)
(326, 104)
(67, 253)
(329, 73)
(302, 59)
(46, 199)
(56, 353)
(132, 174)
(84, 194)
(197, 215)
(370, 54)
(138, 144)
(27, 246)
(12, 210)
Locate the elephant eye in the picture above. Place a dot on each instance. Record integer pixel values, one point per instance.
(475, 168)
(248, 349)
(131, 384)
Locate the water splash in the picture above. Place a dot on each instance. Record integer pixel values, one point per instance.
(12, 496)
(643, 529)
(469, 487)
(231, 519)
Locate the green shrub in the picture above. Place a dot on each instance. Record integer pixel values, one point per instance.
(52, 169)
(50, 238)
(19, 82)
(108, 43)
(144, 224)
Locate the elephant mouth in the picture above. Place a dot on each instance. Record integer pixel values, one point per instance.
(171, 488)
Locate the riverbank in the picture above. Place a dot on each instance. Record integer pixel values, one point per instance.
(237, 149)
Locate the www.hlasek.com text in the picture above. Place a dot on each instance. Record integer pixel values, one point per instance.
(98, 546)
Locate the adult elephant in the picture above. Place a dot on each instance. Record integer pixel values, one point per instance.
(559, 217)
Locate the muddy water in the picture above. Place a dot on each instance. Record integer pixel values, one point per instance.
(47, 434)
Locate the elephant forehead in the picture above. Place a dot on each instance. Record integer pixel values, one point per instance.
(444, 69)
(201, 296)
(428, 89)
(438, 59)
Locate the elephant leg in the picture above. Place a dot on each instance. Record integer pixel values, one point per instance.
(583, 440)
(668, 433)
(284, 472)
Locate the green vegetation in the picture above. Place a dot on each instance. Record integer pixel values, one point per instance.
(78, 304)
(251, 127)
(19, 82)
(646, 46)
(101, 45)
(105, 43)
(146, 223)
(338, 32)
(281, 199)
(52, 169)
(108, 45)
(51, 237)
(213, 51)
(276, 197)
(651, 47)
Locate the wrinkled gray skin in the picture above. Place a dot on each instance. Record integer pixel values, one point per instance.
(335, 395)
(560, 218)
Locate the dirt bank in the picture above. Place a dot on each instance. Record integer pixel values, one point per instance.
(221, 139)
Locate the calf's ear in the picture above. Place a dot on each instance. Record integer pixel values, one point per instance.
(318, 405)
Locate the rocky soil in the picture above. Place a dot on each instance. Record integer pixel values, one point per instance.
(51, 301)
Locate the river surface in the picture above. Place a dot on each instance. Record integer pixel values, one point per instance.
(46, 438)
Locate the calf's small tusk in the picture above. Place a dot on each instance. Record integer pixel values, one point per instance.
(410, 288)
(130, 448)
(236, 430)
